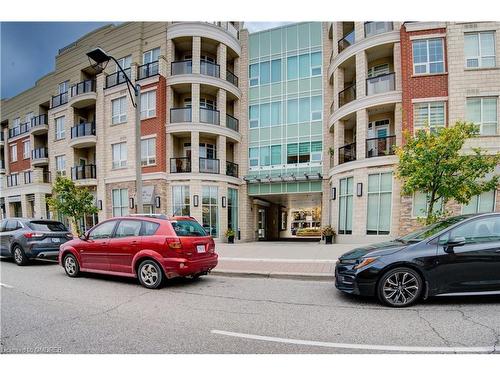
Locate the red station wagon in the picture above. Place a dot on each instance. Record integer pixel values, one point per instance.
(149, 248)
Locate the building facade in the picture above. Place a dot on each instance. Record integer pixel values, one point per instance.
(273, 134)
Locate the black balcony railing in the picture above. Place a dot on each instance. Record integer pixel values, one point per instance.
(39, 120)
(231, 78)
(347, 95)
(381, 146)
(209, 68)
(346, 41)
(12, 180)
(209, 116)
(347, 153)
(46, 177)
(28, 177)
(374, 28)
(19, 129)
(58, 100)
(232, 122)
(83, 172)
(181, 67)
(83, 87)
(209, 165)
(40, 153)
(83, 130)
(180, 165)
(117, 78)
(231, 169)
(381, 83)
(148, 70)
(180, 114)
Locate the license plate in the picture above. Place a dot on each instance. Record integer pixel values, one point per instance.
(56, 240)
(200, 248)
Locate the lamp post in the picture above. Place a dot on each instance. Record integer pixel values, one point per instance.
(99, 56)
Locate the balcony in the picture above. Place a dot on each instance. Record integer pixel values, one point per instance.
(209, 165)
(347, 95)
(40, 157)
(380, 84)
(231, 78)
(209, 69)
(117, 78)
(346, 41)
(83, 94)
(84, 174)
(209, 116)
(83, 135)
(375, 28)
(231, 169)
(148, 70)
(232, 122)
(180, 115)
(180, 165)
(381, 146)
(39, 125)
(181, 67)
(347, 153)
(19, 129)
(59, 100)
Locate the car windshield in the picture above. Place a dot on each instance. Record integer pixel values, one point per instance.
(187, 228)
(47, 226)
(430, 230)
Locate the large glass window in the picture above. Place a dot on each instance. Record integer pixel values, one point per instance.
(430, 114)
(63, 87)
(316, 108)
(119, 110)
(265, 156)
(148, 104)
(428, 56)
(483, 113)
(119, 155)
(276, 113)
(276, 70)
(265, 72)
(421, 205)
(316, 151)
(254, 116)
(345, 205)
(60, 132)
(148, 151)
(26, 149)
(151, 55)
(254, 156)
(275, 154)
(265, 114)
(292, 151)
(232, 209)
(128, 228)
(254, 74)
(61, 165)
(13, 152)
(379, 203)
(120, 202)
(292, 67)
(180, 200)
(210, 210)
(479, 49)
(304, 66)
(304, 152)
(484, 202)
(292, 111)
(316, 64)
(124, 62)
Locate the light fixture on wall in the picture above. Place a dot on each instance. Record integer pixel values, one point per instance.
(223, 202)
(195, 201)
(131, 202)
(99, 205)
(334, 193)
(157, 201)
(359, 189)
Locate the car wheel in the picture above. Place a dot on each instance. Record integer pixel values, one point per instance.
(19, 256)
(399, 287)
(71, 265)
(150, 274)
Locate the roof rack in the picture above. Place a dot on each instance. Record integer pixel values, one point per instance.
(155, 216)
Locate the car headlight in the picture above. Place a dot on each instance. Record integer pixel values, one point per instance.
(364, 262)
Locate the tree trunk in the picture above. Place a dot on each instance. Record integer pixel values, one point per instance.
(74, 226)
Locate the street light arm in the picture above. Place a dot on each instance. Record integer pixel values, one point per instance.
(129, 82)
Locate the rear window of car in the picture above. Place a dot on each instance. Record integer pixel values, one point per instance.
(47, 226)
(188, 228)
(149, 228)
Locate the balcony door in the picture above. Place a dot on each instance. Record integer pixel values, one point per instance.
(380, 130)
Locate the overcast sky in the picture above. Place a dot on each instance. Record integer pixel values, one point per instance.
(28, 49)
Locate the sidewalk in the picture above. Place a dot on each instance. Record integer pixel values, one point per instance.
(293, 260)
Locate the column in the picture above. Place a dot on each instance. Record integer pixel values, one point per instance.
(221, 153)
(196, 53)
(361, 132)
(170, 56)
(397, 65)
(169, 151)
(359, 31)
(361, 73)
(9, 210)
(6, 153)
(24, 204)
(170, 103)
(222, 59)
(195, 102)
(195, 188)
(325, 203)
(338, 86)
(222, 211)
(337, 35)
(338, 140)
(221, 106)
(40, 206)
(195, 152)
(398, 123)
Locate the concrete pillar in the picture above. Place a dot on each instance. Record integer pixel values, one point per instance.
(221, 106)
(222, 59)
(398, 123)
(6, 152)
(163, 66)
(9, 209)
(359, 31)
(359, 204)
(196, 212)
(361, 132)
(338, 86)
(195, 152)
(40, 206)
(361, 73)
(170, 150)
(24, 206)
(195, 102)
(221, 153)
(222, 211)
(337, 35)
(196, 53)
(170, 56)
(397, 66)
(325, 203)
(170, 103)
(338, 140)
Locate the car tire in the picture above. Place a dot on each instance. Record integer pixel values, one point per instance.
(19, 256)
(150, 274)
(71, 265)
(400, 287)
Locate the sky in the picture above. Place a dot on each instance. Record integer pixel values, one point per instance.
(28, 49)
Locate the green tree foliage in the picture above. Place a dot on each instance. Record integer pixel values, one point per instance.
(434, 163)
(72, 201)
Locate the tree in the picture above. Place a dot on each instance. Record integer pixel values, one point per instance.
(72, 201)
(433, 163)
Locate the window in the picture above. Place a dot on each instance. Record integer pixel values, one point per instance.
(305, 109)
(316, 108)
(265, 156)
(254, 75)
(60, 132)
(119, 110)
(316, 151)
(292, 153)
(292, 67)
(13, 152)
(149, 228)
(29, 116)
(232, 209)
(104, 230)
(148, 151)
(275, 154)
(479, 231)
(430, 114)
(483, 113)
(304, 66)
(17, 122)
(378, 70)
(304, 152)
(63, 87)
(276, 113)
(61, 165)
(292, 111)
(254, 116)
(316, 64)
(484, 202)
(148, 104)
(379, 203)
(151, 55)
(210, 210)
(276, 70)
(26, 149)
(265, 114)
(479, 49)
(124, 62)
(180, 198)
(428, 56)
(421, 205)
(119, 155)
(265, 72)
(120, 202)
(254, 156)
(208, 150)
(128, 228)
(346, 205)
(188, 228)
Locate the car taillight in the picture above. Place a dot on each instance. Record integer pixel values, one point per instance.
(33, 235)
(174, 243)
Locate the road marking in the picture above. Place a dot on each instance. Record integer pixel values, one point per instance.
(278, 260)
(390, 348)
(6, 286)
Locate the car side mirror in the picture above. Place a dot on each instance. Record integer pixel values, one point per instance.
(454, 242)
(83, 237)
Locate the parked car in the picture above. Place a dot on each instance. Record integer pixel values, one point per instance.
(25, 239)
(150, 248)
(456, 256)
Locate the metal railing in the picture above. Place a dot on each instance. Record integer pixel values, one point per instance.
(82, 172)
(83, 130)
(117, 78)
(83, 87)
(347, 153)
(183, 114)
(232, 122)
(181, 67)
(58, 100)
(374, 28)
(347, 95)
(209, 116)
(39, 120)
(381, 83)
(231, 78)
(40, 153)
(209, 165)
(148, 70)
(19, 129)
(28, 177)
(346, 41)
(180, 165)
(381, 146)
(231, 169)
(209, 69)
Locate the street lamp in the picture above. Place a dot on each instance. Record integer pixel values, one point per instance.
(100, 57)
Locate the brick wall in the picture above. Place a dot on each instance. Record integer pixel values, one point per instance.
(21, 164)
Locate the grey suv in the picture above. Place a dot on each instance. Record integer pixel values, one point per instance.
(25, 239)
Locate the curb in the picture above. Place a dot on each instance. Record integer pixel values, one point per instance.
(275, 275)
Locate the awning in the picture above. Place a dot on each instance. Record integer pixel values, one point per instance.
(148, 194)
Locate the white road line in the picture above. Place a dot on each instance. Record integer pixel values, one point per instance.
(278, 260)
(6, 286)
(390, 348)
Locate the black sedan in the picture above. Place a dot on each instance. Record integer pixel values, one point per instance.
(457, 256)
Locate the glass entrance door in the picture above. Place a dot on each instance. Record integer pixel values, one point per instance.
(261, 224)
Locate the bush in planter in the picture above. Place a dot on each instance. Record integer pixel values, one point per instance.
(328, 232)
(230, 235)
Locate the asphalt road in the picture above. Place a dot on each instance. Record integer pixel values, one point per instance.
(44, 310)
